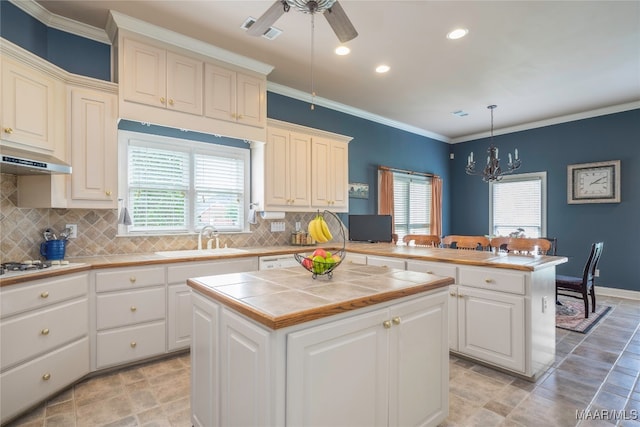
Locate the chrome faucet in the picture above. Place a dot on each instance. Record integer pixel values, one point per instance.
(208, 230)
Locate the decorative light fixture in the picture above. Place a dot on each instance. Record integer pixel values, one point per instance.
(492, 171)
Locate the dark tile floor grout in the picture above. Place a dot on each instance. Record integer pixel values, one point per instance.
(595, 376)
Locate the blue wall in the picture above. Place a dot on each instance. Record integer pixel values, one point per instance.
(551, 149)
(72, 53)
(465, 204)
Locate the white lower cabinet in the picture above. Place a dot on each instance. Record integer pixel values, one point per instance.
(380, 367)
(179, 294)
(44, 341)
(386, 262)
(131, 343)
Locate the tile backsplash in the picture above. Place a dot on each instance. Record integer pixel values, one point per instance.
(21, 231)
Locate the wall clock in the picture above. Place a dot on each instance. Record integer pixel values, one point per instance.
(594, 182)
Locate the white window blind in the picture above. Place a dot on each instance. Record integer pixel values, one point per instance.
(412, 204)
(178, 186)
(518, 202)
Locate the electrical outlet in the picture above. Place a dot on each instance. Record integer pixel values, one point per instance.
(597, 272)
(277, 226)
(74, 230)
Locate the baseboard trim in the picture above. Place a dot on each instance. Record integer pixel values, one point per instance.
(618, 293)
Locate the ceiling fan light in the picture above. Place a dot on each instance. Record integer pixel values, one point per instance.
(342, 50)
(458, 33)
(311, 6)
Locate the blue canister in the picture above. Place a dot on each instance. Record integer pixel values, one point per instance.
(53, 249)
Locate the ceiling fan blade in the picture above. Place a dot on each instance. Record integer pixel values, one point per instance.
(340, 23)
(268, 18)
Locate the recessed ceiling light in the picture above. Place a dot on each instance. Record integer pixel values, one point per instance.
(458, 33)
(382, 68)
(342, 50)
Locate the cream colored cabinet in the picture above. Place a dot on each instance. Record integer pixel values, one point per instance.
(330, 175)
(161, 78)
(390, 262)
(130, 315)
(44, 341)
(93, 149)
(406, 382)
(234, 96)
(31, 104)
(179, 294)
(377, 366)
(288, 171)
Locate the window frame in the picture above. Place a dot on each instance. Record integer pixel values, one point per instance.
(429, 182)
(179, 144)
(542, 176)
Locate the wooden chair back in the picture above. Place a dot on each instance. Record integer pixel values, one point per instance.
(429, 240)
(529, 246)
(500, 243)
(466, 242)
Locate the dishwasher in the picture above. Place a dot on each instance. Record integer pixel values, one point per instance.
(276, 261)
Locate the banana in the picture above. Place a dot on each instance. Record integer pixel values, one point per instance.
(315, 230)
(325, 229)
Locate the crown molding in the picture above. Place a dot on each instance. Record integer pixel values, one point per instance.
(124, 22)
(61, 23)
(553, 121)
(323, 102)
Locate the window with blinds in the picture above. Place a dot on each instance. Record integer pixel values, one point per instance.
(412, 204)
(518, 202)
(178, 186)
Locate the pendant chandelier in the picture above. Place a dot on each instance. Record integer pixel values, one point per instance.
(492, 171)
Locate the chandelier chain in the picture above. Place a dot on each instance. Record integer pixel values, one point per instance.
(313, 90)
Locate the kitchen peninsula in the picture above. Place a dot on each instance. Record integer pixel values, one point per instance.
(277, 347)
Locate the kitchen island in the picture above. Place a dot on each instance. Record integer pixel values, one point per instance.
(367, 347)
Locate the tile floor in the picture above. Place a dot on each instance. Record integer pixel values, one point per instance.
(596, 372)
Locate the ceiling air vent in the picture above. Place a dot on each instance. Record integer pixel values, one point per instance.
(270, 34)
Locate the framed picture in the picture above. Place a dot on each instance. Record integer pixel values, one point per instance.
(358, 190)
(594, 182)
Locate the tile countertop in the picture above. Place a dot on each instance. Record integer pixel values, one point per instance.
(290, 296)
(477, 258)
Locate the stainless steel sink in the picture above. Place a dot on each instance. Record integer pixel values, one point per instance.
(200, 252)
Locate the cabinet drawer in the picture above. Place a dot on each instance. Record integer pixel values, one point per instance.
(353, 258)
(130, 278)
(40, 293)
(493, 279)
(179, 273)
(386, 262)
(128, 308)
(25, 336)
(34, 381)
(131, 343)
(437, 268)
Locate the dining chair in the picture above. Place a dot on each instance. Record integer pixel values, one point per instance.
(529, 246)
(430, 240)
(466, 242)
(554, 245)
(499, 243)
(570, 285)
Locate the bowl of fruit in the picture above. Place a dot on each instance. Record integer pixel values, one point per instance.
(323, 261)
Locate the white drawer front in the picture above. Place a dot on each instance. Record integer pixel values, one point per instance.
(129, 278)
(131, 307)
(437, 268)
(39, 293)
(25, 336)
(179, 273)
(353, 258)
(493, 279)
(386, 262)
(42, 377)
(131, 343)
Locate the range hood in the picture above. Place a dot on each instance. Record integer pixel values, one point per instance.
(23, 162)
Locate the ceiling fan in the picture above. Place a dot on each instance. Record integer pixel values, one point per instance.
(331, 9)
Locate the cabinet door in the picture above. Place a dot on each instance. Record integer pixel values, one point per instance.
(300, 167)
(340, 177)
(145, 74)
(220, 93)
(27, 107)
(491, 327)
(184, 84)
(453, 317)
(179, 317)
(251, 102)
(419, 362)
(94, 150)
(205, 376)
(244, 372)
(337, 373)
(330, 166)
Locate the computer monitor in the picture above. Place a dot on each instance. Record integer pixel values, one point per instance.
(370, 228)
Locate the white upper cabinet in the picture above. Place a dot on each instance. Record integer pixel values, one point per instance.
(330, 168)
(234, 96)
(161, 78)
(31, 107)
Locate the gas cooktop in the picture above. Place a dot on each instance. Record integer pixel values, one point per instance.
(12, 269)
